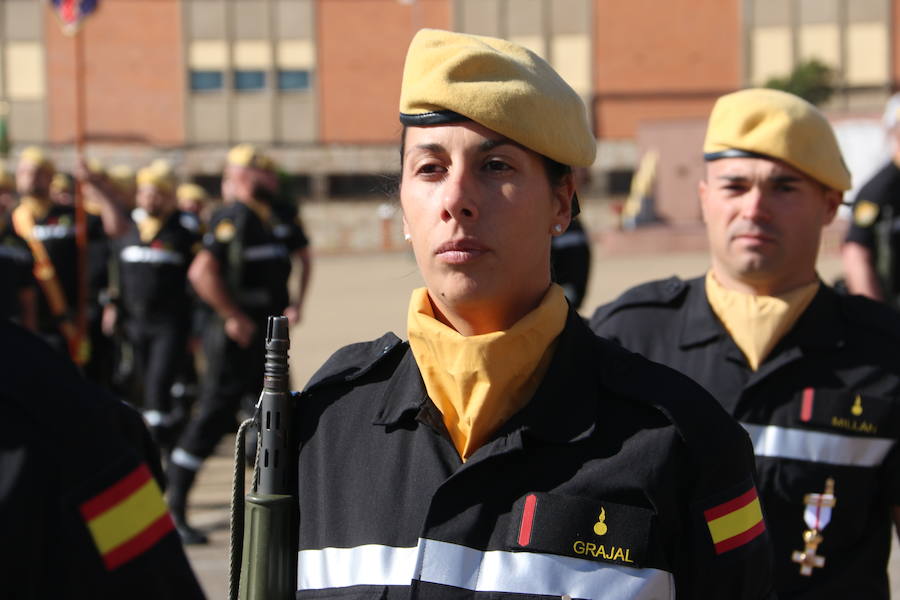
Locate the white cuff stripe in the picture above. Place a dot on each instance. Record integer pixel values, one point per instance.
(817, 446)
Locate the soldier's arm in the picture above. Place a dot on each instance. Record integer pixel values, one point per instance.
(115, 223)
(859, 271)
(303, 256)
(205, 275)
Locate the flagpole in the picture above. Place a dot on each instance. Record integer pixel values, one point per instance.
(81, 238)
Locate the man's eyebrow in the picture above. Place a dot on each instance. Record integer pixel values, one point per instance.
(786, 178)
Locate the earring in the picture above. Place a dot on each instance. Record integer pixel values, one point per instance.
(557, 229)
(407, 237)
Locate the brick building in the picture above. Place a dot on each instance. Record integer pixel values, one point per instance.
(317, 81)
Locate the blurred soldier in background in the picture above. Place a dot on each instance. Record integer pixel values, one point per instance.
(153, 302)
(193, 200)
(871, 251)
(62, 189)
(242, 273)
(123, 186)
(18, 294)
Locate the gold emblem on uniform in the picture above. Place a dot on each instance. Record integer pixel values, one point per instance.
(817, 516)
(600, 527)
(857, 408)
(225, 231)
(864, 213)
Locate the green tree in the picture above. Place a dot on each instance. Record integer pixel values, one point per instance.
(812, 80)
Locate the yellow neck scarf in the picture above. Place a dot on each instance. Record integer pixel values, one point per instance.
(480, 381)
(757, 323)
(149, 227)
(38, 207)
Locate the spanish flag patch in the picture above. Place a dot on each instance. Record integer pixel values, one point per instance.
(127, 518)
(735, 522)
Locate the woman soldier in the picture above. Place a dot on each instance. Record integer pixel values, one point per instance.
(505, 451)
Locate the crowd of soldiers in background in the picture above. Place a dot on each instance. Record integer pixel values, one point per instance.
(110, 283)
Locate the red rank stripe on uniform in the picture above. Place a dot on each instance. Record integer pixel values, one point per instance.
(127, 518)
(806, 405)
(736, 522)
(527, 520)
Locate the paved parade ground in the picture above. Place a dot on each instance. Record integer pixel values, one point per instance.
(359, 297)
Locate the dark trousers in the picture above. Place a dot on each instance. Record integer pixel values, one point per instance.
(232, 373)
(159, 351)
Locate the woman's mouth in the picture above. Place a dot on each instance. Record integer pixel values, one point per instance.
(457, 252)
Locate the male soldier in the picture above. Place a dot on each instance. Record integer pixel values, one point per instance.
(81, 510)
(871, 252)
(813, 376)
(242, 273)
(49, 230)
(152, 262)
(192, 200)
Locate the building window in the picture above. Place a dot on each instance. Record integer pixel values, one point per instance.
(206, 81)
(249, 80)
(293, 79)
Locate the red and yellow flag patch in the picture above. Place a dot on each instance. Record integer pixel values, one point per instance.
(735, 522)
(127, 518)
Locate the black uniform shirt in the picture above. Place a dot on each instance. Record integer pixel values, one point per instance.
(601, 487)
(56, 231)
(16, 265)
(255, 257)
(153, 275)
(799, 410)
(877, 205)
(81, 514)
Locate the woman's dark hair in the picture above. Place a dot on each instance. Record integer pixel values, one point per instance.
(556, 171)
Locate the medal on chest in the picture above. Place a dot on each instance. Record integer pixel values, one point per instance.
(817, 516)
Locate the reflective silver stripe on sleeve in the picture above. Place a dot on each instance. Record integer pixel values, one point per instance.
(265, 252)
(362, 565)
(145, 254)
(817, 446)
(493, 571)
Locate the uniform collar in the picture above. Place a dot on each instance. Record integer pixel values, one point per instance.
(700, 324)
(562, 410)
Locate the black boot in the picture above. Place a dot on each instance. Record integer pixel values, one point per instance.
(180, 482)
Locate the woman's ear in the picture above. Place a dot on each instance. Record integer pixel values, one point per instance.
(562, 198)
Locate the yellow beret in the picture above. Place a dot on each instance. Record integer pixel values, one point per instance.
(191, 191)
(248, 155)
(778, 125)
(450, 77)
(35, 156)
(159, 174)
(122, 177)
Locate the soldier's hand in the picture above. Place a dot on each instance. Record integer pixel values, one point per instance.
(108, 320)
(240, 329)
(293, 314)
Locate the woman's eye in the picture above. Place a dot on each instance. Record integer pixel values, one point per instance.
(497, 165)
(429, 169)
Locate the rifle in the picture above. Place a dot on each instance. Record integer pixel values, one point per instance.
(267, 569)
